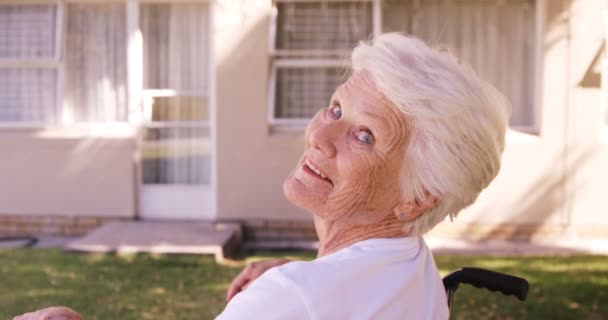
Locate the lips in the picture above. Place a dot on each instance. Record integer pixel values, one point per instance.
(313, 170)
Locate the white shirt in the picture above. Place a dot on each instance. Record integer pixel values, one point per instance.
(372, 279)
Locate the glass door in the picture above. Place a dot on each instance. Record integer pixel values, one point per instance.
(176, 146)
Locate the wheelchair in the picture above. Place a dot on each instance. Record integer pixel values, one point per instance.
(485, 279)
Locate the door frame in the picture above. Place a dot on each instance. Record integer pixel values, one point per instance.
(135, 102)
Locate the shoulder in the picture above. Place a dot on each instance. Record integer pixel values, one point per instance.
(380, 278)
(271, 296)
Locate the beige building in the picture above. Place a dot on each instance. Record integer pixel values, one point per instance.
(195, 110)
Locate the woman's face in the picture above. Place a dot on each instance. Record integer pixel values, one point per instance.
(352, 157)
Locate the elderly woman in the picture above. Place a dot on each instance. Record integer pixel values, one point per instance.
(411, 137)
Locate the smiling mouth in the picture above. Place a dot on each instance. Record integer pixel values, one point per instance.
(311, 169)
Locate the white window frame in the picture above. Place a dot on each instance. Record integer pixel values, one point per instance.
(39, 63)
(281, 58)
(537, 101)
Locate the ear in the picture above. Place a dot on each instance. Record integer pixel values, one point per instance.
(410, 210)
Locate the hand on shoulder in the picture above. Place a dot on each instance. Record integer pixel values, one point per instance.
(253, 271)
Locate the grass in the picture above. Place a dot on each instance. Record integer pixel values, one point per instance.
(191, 287)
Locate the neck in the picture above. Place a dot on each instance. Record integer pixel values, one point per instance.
(338, 234)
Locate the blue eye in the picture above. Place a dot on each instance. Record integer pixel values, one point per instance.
(365, 137)
(336, 111)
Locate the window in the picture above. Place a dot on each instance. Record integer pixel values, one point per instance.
(498, 39)
(29, 61)
(62, 68)
(310, 41)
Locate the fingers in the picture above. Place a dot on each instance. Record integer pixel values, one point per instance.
(235, 286)
(253, 271)
(36, 315)
(52, 313)
(61, 313)
(242, 280)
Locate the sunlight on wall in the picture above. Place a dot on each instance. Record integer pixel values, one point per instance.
(89, 130)
(232, 20)
(67, 114)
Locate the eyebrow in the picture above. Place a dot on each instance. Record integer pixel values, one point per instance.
(339, 95)
(381, 120)
(338, 92)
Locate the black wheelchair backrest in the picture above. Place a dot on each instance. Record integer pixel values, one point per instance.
(482, 278)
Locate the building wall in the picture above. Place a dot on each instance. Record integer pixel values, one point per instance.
(554, 184)
(252, 161)
(587, 167)
(67, 172)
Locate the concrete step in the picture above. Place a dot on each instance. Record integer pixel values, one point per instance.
(167, 237)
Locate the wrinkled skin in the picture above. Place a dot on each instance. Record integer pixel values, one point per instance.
(364, 175)
(358, 142)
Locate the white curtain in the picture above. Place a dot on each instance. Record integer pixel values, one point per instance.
(497, 38)
(95, 63)
(27, 92)
(176, 49)
(176, 45)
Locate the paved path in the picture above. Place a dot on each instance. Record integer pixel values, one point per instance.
(439, 246)
(43, 242)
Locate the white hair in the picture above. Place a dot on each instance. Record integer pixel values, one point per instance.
(456, 121)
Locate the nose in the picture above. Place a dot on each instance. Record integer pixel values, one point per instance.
(323, 138)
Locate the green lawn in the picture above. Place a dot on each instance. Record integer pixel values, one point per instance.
(188, 287)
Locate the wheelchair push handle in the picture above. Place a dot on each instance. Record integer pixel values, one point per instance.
(491, 280)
